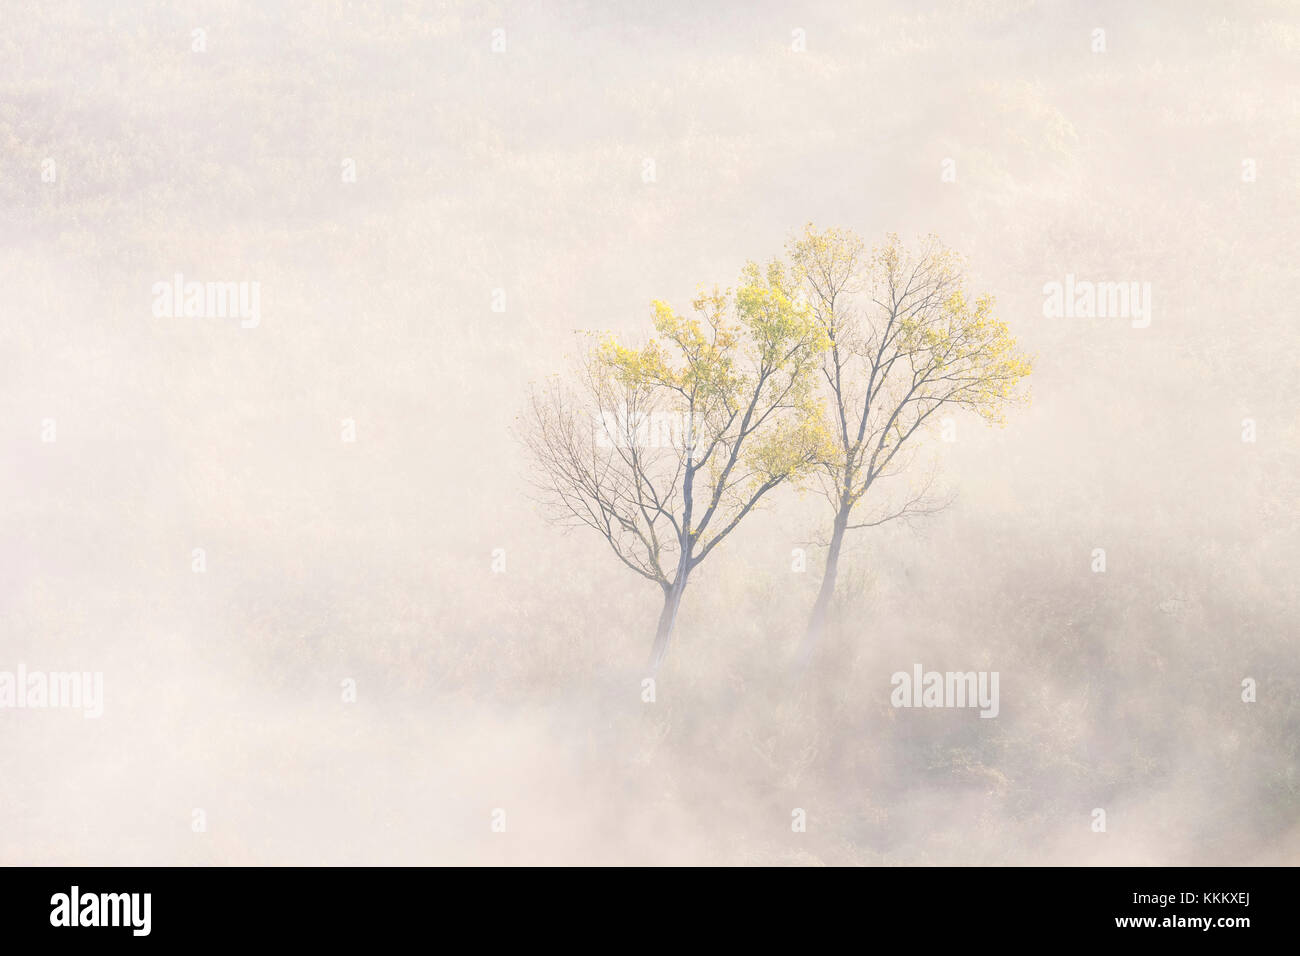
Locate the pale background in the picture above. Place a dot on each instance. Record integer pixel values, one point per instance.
(522, 170)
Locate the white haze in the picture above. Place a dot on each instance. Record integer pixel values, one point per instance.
(522, 170)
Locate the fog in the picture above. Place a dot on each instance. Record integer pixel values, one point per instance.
(383, 652)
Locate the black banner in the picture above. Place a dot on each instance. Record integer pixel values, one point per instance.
(143, 906)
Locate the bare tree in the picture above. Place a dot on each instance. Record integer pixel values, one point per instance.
(664, 449)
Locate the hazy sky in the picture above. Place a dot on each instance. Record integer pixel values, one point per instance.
(426, 209)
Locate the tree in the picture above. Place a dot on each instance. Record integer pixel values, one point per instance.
(664, 449)
(904, 342)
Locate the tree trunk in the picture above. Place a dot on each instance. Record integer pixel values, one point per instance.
(667, 618)
(817, 622)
